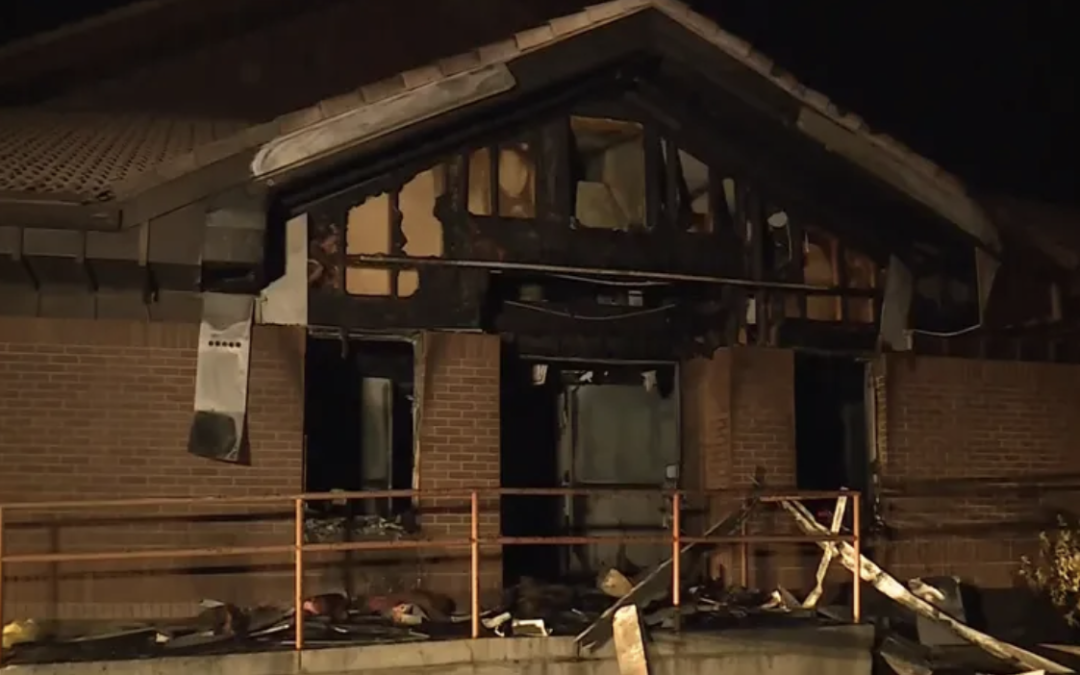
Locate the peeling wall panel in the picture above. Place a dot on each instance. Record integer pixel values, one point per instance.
(221, 379)
(284, 301)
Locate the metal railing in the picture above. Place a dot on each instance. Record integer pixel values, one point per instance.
(299, 547)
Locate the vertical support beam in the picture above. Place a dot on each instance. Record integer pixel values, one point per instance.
(856, 528)
(672, 179)
(654, 175)
(841, 277)
(555, 188)
(744, 557)
(719, 209)
(474, 563)
(756, 223)
(493, 178)
(397, 237)
(457, 184)
(797, 273)
(676, 563)
(1, 579)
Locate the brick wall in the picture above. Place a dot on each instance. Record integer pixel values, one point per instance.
(100, 409)
(739, 414)
(459, 438)
(955, 424)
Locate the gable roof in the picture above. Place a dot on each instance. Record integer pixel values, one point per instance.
(338, 123)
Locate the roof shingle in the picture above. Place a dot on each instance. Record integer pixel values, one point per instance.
(80, 156)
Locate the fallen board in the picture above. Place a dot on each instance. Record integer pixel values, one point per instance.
(629, 642)
(888, 586)
(657, 581)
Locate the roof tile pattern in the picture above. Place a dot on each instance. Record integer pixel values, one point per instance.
(81, 155)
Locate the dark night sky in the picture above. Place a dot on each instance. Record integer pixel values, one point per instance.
(987, 89)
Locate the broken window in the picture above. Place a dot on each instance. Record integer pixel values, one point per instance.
(421, 230)
(861, 272)
(827, 262)
(688, 198)
(370, 230)
(609, 165)
(502, 181)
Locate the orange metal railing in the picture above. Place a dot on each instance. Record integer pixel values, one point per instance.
(676, 539)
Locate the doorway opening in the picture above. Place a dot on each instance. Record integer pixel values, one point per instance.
(587, 425)
(831, 432)
(529, 422)
(358, 422)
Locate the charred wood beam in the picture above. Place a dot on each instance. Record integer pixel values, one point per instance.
(826, 336)
(541, 268)
(754, 205)
(554, 190)
(605, 347)
(410, 151)
(797, 269)
(657, 176)
(497, 239)
(805, 180)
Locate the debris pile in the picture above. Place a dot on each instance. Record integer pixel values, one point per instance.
(319, 529)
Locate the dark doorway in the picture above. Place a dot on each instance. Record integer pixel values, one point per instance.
(830, 423)
(358, 419)
(529, 425)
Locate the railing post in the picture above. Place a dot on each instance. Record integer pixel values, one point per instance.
(856, 528)
(298, 571)
(744, 557)
(676, 563)
(1, 579)
(474, 563)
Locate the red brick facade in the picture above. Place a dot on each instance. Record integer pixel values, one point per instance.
(738, 415)
(100, 410)
(955, 425)
(459, 435)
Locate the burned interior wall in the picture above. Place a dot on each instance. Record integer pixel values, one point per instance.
(459, 450)
(979, 456)
(738, 414)
(101, 410)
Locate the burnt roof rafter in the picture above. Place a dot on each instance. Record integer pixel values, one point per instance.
(719, 127)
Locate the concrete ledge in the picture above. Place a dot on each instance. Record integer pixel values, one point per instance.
(842, 650)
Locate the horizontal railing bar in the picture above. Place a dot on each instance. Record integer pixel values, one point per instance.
(386, 494)
(158, 554)
(152, 554)
(385, 545)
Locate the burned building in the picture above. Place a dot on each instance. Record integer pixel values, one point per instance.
(616, 247)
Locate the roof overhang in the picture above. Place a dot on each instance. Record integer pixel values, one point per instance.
(351, 127)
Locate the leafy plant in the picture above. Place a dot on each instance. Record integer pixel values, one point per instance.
(1056, 569)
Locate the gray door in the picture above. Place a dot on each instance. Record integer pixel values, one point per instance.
(619, 435)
